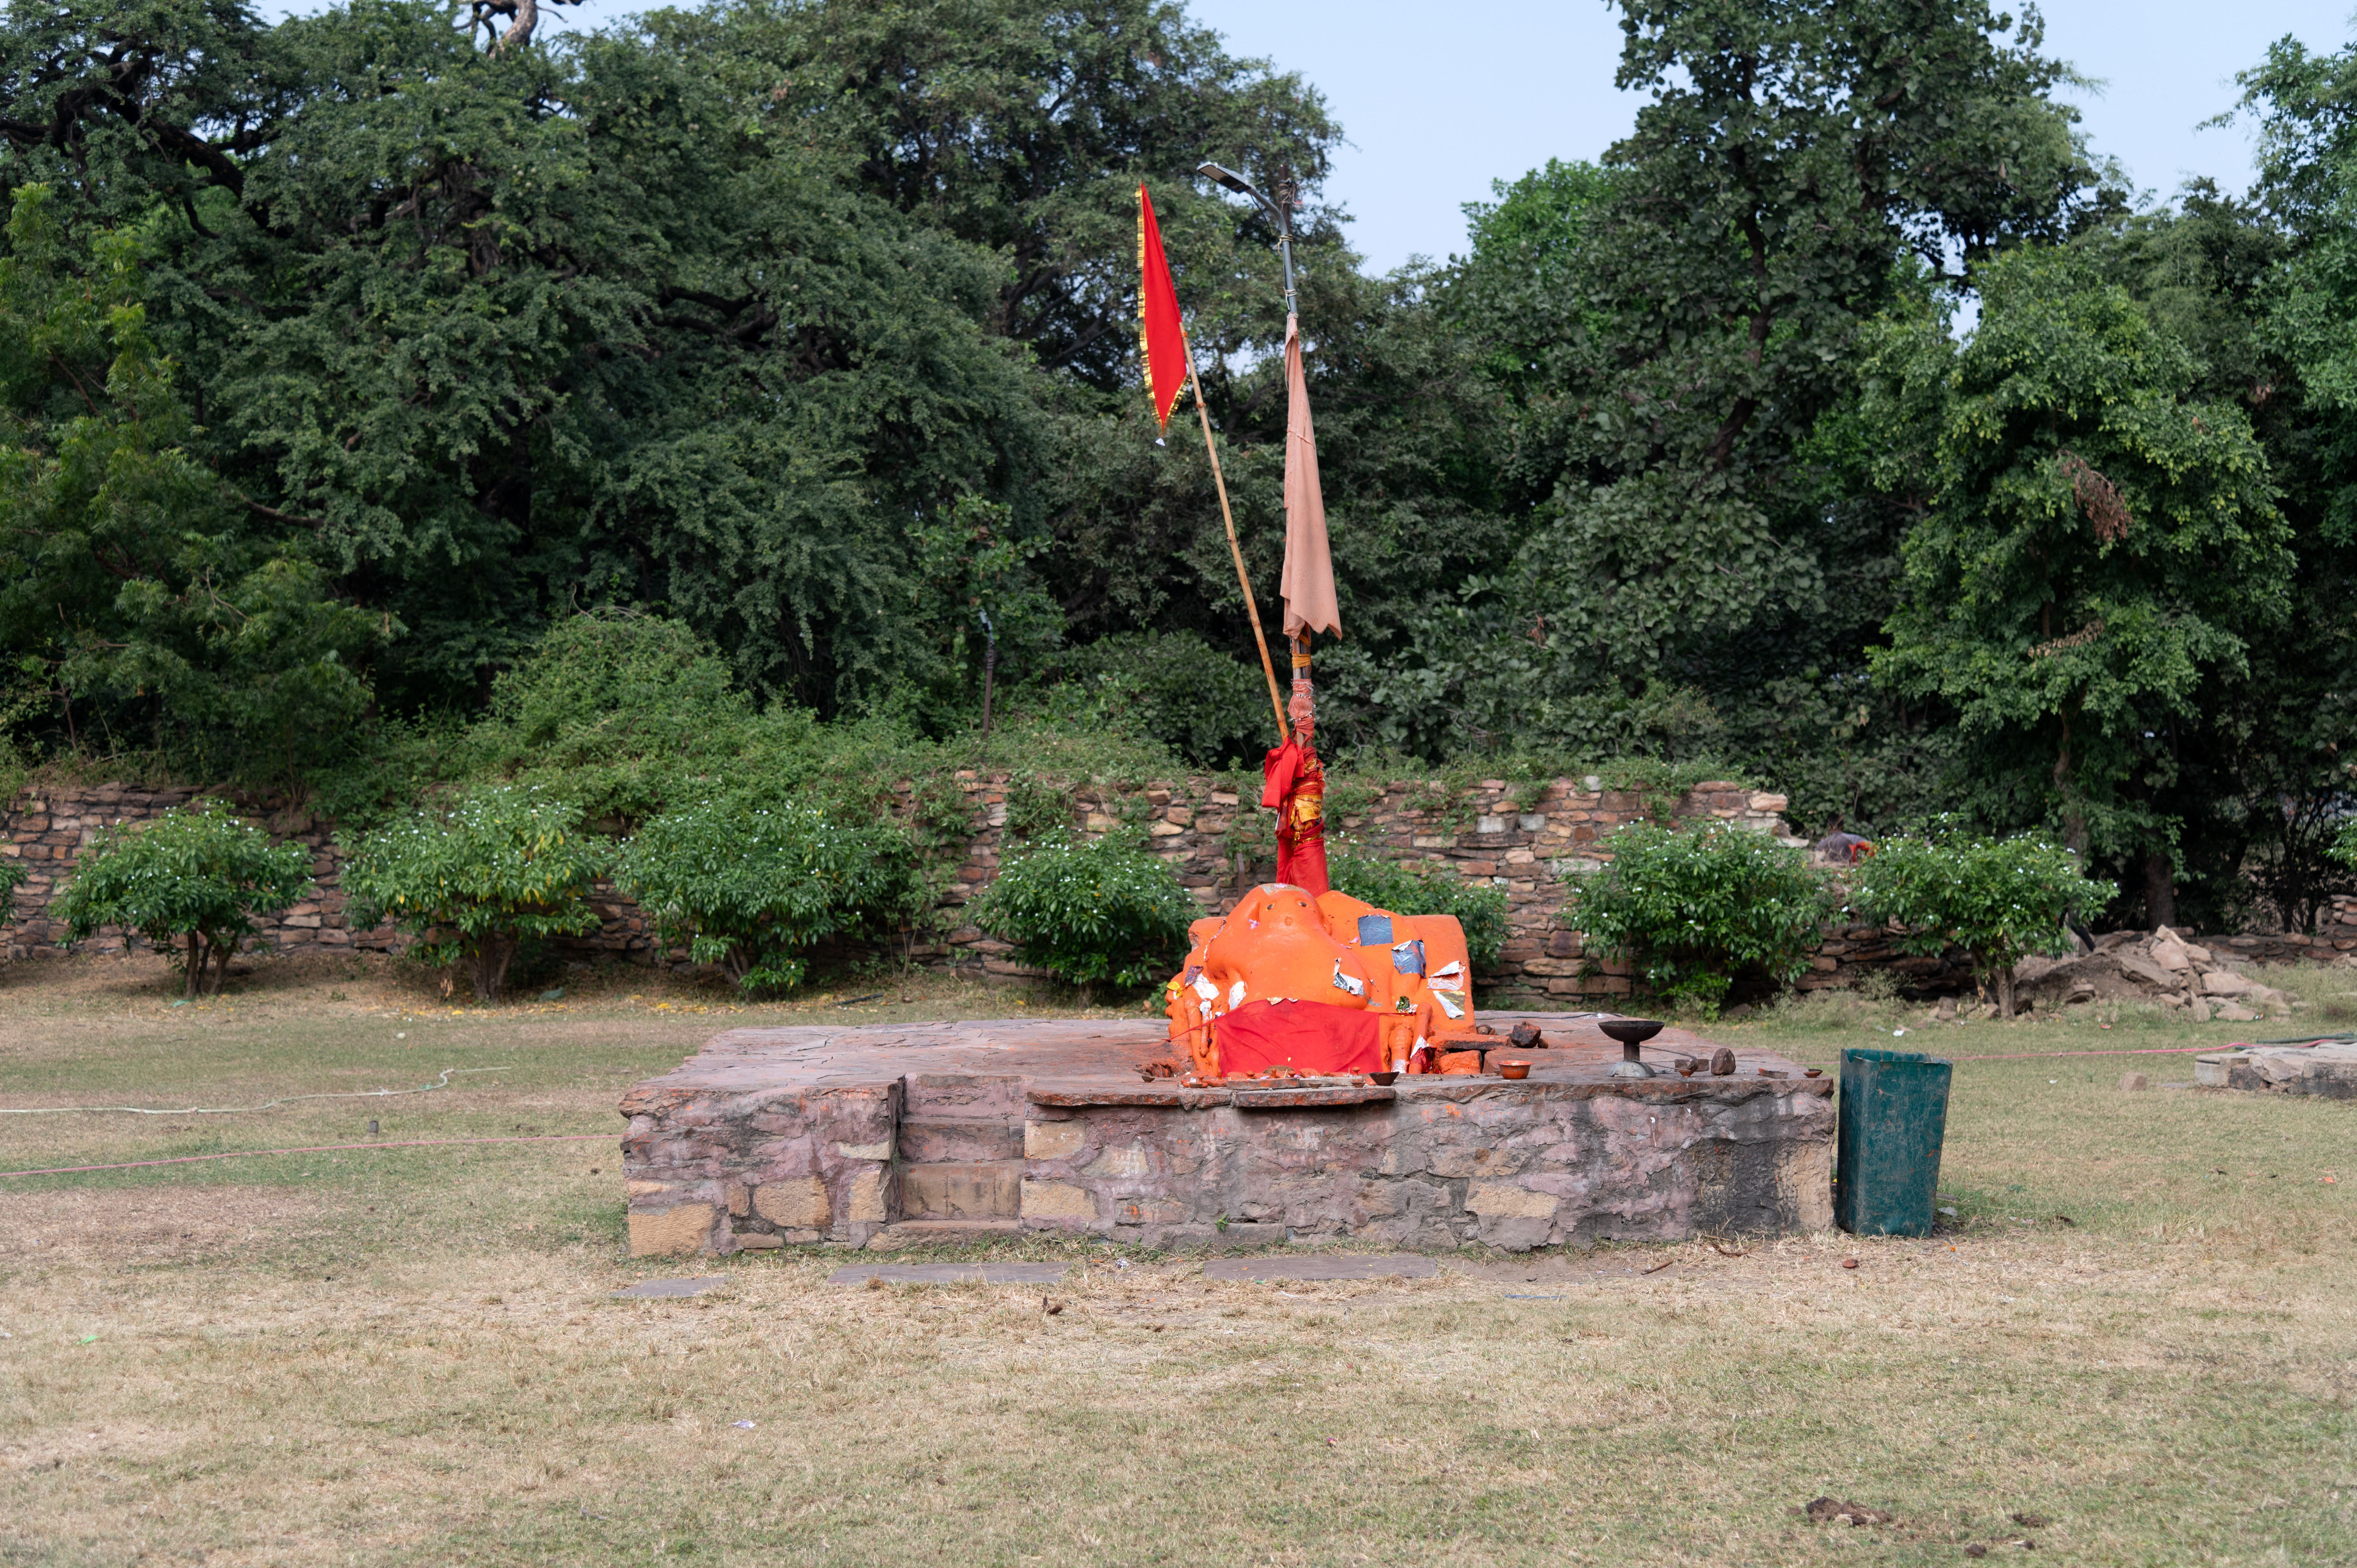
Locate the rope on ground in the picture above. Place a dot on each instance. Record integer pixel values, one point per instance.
(441, 1083)
(310, 1149)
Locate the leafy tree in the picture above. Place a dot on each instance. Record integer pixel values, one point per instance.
(1022, 128)
(474, 881)
(1090, 911)
(1718, 283)
(2097, 551)
(2265, 293)
(193, 878)
(1406, 887)
(11, 876)
(2344, 845)
(500, 331)
(1999, 899)
(1175, 688)
(992, 618)
(753, 888)
(1693, 910)
(621, 713)
(130, 578)
(1666, 336)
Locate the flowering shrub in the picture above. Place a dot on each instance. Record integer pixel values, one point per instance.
(500, 867)
(752, 889)
(1408, 888)
(197, 877)
(1690, 909)
(1090, 911)
(1999, 899)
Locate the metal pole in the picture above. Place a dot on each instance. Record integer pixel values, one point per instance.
(1284, 248)
(1300, 645)
(1243, 580)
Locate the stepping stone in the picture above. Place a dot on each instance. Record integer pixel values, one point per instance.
(663, 1290)
(949, 1273)
(1345, 1266)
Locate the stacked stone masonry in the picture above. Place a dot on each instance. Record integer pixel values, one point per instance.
(1521, 837)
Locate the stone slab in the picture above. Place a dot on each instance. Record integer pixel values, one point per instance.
(949, 1273)
(1301, 1099)
(1323, 1266)
(971, 1189)
(2327, 1070)
(670, 1290)
(1175, 1097)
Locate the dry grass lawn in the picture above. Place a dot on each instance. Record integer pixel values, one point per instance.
(412, 1355)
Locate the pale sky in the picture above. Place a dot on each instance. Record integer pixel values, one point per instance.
(1440, 101)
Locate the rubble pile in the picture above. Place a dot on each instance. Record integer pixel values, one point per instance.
(2150, 966)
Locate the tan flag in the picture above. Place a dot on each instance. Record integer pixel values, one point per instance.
(1309, 582)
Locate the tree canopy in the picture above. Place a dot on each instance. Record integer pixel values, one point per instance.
(374, 375)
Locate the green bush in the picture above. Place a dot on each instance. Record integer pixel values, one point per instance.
(1999, 899)
(500, 867)
(1692, 909)
(752, 889)
(621, 712)
(1170, 687)
(11, 876)
(196, 877)
(1090, 911)
(1426, 888)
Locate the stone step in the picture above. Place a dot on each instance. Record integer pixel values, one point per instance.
(963, 1189)
(907, 1232)
(961, 1094)
(944, 1140)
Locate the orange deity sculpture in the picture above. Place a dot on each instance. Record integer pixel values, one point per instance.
(1318, 983)
(1295, 789)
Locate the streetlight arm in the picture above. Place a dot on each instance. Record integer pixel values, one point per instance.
(1243, 186)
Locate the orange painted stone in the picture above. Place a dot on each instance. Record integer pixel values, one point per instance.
(1280, 943)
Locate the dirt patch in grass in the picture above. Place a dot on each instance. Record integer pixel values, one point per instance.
(157, 1224)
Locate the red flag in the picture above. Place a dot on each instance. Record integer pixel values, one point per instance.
(1161, 340)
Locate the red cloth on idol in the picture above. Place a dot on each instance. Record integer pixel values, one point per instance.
(1295, 790)
(1308, 1036)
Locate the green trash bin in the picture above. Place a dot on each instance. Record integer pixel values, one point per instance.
(1893, 1116)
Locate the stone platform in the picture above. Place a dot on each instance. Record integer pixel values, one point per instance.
(2326, 1068)
(872, 1133)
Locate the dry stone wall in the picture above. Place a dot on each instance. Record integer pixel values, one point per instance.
(1521, 836)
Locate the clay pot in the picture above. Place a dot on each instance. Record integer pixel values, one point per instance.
(1513, 1070)
(1383, 1078)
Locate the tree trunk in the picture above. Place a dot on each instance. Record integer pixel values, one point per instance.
(2074, 815)
(2003, 975)
(2159, 889)
(487, 965)
(527, 17)
(220, 954)
(193, 972)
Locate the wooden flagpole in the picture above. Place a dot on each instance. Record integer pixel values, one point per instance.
(1284, 733)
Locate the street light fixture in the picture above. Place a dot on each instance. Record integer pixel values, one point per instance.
(1243, 186)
